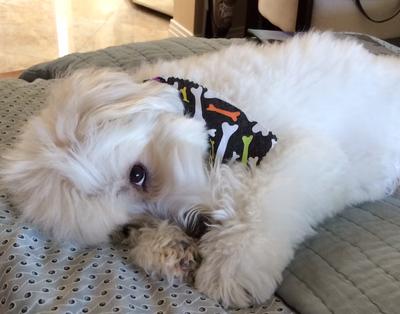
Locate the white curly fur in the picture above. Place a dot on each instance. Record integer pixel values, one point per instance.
(333, 105)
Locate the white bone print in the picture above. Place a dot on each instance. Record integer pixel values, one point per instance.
(227, 131)
(258, 128)
(198, 113)
(212, 132)
(253, 161)
(235, 156)
(273, 142)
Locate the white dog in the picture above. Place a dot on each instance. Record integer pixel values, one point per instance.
(111, 148)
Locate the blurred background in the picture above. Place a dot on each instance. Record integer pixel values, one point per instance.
(34, 31)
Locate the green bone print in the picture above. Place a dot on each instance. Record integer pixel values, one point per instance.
(184, 94)
(246, 144)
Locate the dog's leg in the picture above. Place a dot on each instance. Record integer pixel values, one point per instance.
(159, 247)
(302, 182)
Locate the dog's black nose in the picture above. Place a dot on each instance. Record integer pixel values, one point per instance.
(196, 224)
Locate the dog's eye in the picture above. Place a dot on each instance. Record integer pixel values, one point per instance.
(138, 175)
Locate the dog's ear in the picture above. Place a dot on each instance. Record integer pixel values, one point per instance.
(81, 103)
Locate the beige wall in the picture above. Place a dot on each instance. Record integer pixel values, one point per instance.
(191, 15)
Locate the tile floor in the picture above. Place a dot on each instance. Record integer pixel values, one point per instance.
(33, 31)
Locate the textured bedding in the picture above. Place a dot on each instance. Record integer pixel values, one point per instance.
(351, 265)
(129, 56)
(126, 56)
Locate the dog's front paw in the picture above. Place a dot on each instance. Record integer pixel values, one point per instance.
(222, 286)
(164, 250)
(235, 268)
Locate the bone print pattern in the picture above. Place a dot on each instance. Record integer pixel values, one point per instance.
(212, 132)
(235, 156)
(184, 94)
(246, 145)
(233, 115)
(227, 131)
(259, 128)
(232, 137)
(197, 92)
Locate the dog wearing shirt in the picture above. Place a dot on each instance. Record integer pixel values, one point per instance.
(298, 131)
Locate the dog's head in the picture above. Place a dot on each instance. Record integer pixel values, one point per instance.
(103, 148)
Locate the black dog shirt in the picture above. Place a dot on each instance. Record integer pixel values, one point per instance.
(231, 135)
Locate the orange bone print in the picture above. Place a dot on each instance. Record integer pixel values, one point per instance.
(233, 115)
